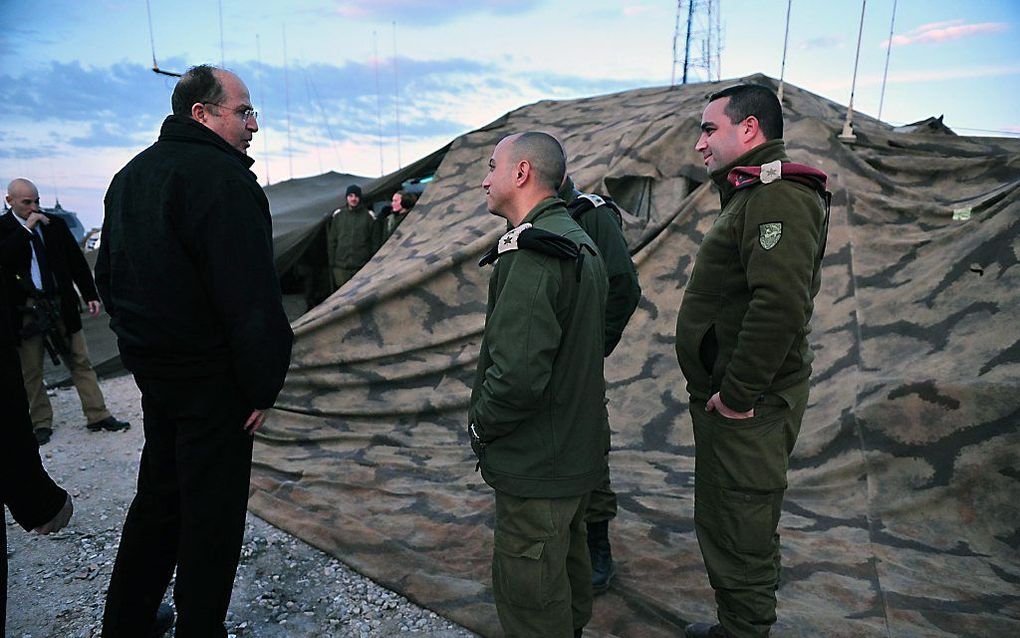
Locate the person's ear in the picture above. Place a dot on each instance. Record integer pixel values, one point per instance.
(751, 127)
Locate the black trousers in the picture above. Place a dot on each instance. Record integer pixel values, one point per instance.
(189, 510)
(14, 410)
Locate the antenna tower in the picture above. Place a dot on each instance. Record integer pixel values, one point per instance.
(697, 41)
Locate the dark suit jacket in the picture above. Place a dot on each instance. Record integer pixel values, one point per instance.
(64, 258)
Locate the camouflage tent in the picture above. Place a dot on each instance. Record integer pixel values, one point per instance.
(902, 517)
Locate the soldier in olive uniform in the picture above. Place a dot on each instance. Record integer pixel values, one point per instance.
(351, 238)
(602, 221)
(537, 412)
(741, 340)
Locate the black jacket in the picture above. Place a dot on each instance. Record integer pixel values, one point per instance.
(65, 259)
(186, 265)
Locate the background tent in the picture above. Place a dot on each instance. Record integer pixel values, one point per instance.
(902, 517)
(300, 208)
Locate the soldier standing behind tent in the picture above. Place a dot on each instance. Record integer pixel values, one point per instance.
(601, 220)
(741, 340)
(186, 269)
(350, 238)
(537, 412)
(395, 214)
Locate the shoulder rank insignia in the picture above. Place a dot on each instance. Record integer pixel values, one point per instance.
(527, 237)
(747, 176)
(510, 240)
(771, 172)
(595, 200)
(769, 234)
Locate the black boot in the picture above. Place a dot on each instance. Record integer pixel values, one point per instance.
(602, 568)
(705, 630)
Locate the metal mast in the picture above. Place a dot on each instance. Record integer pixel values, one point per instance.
(702, 37)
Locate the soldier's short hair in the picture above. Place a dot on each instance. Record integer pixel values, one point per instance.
(545, 154)
(198, 84)
(757, 100)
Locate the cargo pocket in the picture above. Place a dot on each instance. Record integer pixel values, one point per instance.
(751, 453)
(520, 571)
(749, 520)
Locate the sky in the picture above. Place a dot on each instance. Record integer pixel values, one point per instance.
(366, 86)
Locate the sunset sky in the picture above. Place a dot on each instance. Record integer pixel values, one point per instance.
(81, 98)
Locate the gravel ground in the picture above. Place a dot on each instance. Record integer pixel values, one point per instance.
(284, 587)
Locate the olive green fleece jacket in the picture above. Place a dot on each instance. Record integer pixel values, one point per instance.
(538, 396)
(350, 237)
(601, 224)
(743, 322)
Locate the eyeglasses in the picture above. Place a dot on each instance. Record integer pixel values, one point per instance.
(245, 114)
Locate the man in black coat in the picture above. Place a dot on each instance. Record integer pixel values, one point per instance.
(35, 501)
(186, 270)
(43, 262)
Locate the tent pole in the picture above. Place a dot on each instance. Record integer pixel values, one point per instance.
(888, 51)
(848, 126)
(786, 39)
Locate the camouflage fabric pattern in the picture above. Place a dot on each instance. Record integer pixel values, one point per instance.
(901, 518)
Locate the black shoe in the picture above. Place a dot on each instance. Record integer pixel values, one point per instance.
(164, 621)
(578, 632)
(42, 435)
(601, 554)
(706, 630)
(109, 423)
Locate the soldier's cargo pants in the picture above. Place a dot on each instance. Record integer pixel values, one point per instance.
(739, 482)
(541, 574)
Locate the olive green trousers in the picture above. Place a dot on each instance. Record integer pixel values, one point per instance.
(541, 574)
(602, 504)
(739, 483)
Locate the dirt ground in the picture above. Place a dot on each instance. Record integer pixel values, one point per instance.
(284, 587)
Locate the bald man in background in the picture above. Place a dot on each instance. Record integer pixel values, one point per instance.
(43, 263)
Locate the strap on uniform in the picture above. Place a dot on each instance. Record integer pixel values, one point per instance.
(580, 259)
(585, 202)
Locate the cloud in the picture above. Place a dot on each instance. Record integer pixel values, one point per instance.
(830, 42)
(635, 9)
(920, 76)
(73, 93)
(108, 135)
(946, 31)
(429, 13)
(66, 110)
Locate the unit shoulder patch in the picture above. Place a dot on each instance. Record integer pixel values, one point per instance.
(769, 234)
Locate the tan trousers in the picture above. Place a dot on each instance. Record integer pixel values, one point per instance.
(32, 351)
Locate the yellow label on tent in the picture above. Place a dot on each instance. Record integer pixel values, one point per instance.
(962, 214)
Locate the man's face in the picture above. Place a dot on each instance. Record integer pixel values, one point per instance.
(498, 183)
(23, 199)
(226, 118)
(720, 142)
(395, 203)
(353, 200)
